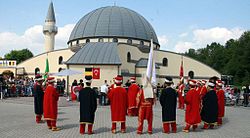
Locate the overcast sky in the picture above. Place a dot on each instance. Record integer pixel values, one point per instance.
(179, 24)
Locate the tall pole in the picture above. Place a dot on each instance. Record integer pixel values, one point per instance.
(67, 84)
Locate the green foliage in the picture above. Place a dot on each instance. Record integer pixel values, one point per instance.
(231, 59)
(19, 55)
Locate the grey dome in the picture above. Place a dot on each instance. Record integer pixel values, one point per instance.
(113, 21)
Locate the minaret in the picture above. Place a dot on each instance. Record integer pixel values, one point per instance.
(50, 29)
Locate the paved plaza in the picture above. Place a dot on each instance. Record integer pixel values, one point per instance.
(17, 120)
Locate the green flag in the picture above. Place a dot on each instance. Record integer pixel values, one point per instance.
(46, 69)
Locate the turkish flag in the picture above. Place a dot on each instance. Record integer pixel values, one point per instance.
(96, 73)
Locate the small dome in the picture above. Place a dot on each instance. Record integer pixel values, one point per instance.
(113, 21)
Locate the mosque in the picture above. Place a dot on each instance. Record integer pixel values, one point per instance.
(106, 42)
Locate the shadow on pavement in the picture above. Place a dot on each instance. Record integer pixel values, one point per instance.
(131, 129)
(62, 119)
(69, 126)
(102, 129)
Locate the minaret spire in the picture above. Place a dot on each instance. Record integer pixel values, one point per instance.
(51, 13)
(50, 29)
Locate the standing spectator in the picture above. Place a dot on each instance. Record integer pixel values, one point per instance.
(30, 85)
(237, 95)
(25, 84)
(73, 94)
(245, 94)
(81, 83)
(168, 101)
(13, 89)
(104, 91)
(63, 84)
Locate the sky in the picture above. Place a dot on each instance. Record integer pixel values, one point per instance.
(179, 24)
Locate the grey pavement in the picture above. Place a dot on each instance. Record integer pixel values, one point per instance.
(17, 119)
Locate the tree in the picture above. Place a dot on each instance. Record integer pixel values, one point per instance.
(19, 55)
(231, 59)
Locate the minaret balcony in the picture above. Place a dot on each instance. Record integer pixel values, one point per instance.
(49, 28)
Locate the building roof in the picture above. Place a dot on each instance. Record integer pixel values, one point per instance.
(51, 14)
(113, 21)
(100, 53)
(143, 63)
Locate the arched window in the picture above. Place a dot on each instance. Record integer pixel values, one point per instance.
(141, 43)
(191, 74)
(128, 57)
(37, 71)
(59, 69)
(87, 40)
(60, 60)
(100, 40)
(165, 62)
(129, 41)
(115, 40)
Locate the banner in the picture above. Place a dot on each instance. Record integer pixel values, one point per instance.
(150, 78)
(46, 75)
(181, 68)
(96, 73)
(88, 72)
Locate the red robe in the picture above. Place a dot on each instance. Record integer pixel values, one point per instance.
(198, 89)
(221, 103)
(203, 91)
(181, 96)
(192, 114)
(118, 104)
(50, 103)
(132, 94)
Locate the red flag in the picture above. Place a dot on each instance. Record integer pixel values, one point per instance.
(96, 73)
(181, 68)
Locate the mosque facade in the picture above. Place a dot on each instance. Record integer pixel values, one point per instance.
(109, 41)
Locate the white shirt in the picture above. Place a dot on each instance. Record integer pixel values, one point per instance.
(104, 88)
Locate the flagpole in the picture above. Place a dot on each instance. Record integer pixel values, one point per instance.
(150, 77)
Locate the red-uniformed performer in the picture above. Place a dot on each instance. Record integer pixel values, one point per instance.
(203, 90)
(88, 105)
(181, 94)
(209, 111)
(38, 98)
(221, 101)
(132, 93)
(198, 86)
(168, 101)
(50, 106)
(192, 114)
(145, 111)
(118, 104)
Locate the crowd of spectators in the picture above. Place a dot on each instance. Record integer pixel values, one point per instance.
(15, 86)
